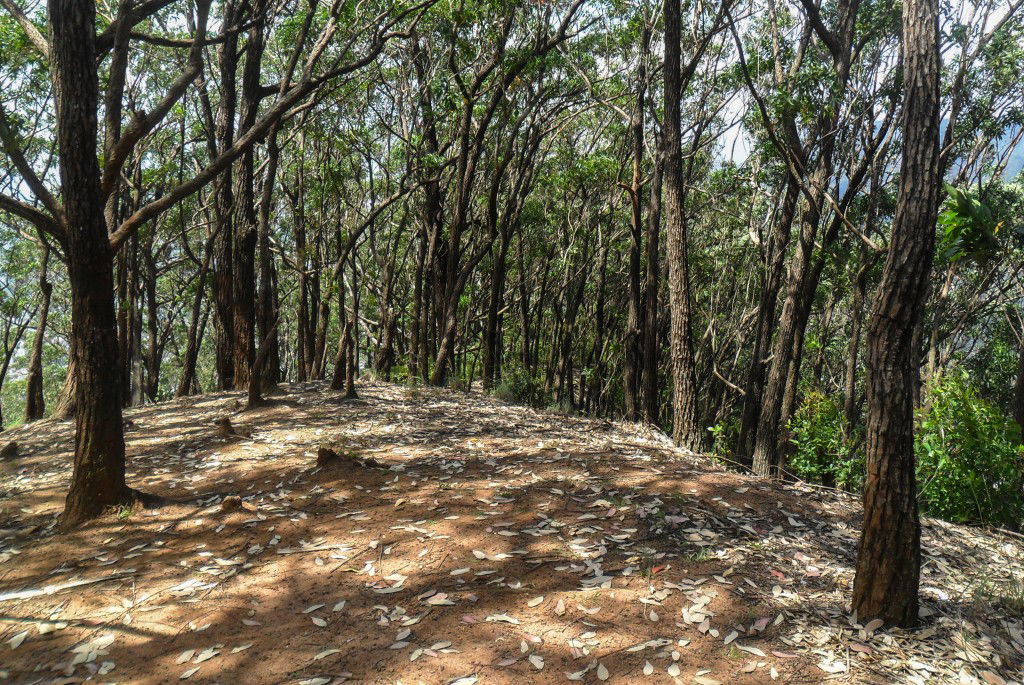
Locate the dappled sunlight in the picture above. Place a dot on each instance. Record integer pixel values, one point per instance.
(493, 542)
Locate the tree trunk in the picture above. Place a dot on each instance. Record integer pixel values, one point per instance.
(851, 413)
(245, 233)
(98, 478)
(889, 558)
(223, 261)
(649, 333)
(685, 426)
(1018, 392)
(771, 281)
(268, 307)
(492, 334)
(154, 347)
(65, 408)
(35, 402)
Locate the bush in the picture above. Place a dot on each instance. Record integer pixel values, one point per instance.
(969, 457)
(822, 453)
(518, 387)
(724, 436)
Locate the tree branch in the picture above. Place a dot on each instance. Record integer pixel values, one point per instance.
(145, 123)
(41, 220)
(17, 157)
(34, 35)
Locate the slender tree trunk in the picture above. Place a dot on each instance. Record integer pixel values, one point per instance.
(686, 429)
(889, 558)
(851, 413)
(223, 262)
(255, 390)
(417, 306)
(268, 307)
(197, 322)
(1018, 392)
(771, 281)
(35, 402)
(342, 356)
(98, 478)
(767, 457)
(320, 339)
(649, 333)
(492, 341)
(245, 231)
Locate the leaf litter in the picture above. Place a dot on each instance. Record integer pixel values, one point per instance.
(474, 542)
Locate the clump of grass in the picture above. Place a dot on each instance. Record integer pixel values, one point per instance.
(698, 554)
(1007, 594)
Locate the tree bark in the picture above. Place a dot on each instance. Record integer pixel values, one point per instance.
(771, 281)
(223, 260)
(197, 323)
(35, 402)
(243, 274)
(685, 425)
(632, 368)
(649, 333)
(889, 558)
(98, 478)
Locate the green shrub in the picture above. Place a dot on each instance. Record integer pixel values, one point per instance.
(518, 387)
(724, 436)
(821, 451)
(969, 457)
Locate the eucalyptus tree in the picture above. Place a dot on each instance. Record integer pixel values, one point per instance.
(889, 560)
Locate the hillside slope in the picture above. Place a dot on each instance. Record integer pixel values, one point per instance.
(460, 539)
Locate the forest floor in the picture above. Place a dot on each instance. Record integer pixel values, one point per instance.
(463, 540)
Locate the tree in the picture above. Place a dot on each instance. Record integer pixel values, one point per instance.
(888, 561)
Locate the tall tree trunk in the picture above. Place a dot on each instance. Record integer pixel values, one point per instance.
(1018, 392)
(417, 305)
(650, 330)
(771, 281)
(268, 307)
(632, 368)
(153, 347)
(245, 232)
(223, 261)
(767, 457)
(98, 478)
(889, 557)
(685, 426)
(35, 402)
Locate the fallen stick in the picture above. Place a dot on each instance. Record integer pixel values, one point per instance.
(53, 589)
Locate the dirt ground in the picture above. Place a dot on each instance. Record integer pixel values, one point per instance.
(458, 539)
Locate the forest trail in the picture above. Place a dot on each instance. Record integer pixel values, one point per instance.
(471, 541)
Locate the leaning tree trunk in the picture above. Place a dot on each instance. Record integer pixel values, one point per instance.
(98, 479)
(685, 427)
(889, 558)
(35, 402)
